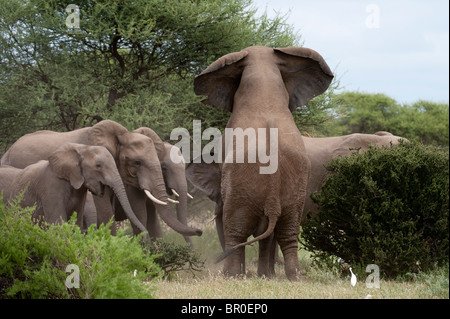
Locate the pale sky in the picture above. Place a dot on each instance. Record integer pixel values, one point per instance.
(397, 47)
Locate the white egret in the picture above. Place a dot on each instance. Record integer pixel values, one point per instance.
(353, 278)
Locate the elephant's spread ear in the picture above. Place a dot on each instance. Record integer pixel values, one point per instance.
(220, 80)
(207, 178)
(305, 74)
(105, 133)
(159, 144)
(65, 163)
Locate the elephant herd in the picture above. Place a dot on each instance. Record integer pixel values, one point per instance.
(106, 171)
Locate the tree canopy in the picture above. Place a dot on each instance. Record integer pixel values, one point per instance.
(356, 112)
(134, 62)
(127, 61)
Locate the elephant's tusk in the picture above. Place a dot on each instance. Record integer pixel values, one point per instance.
(175, 192)
(212, 219)
(172, 201)
(153, 198)
(190, 196)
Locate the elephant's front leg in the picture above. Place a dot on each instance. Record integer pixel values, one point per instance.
(138, 202)
(104, 208)
(153, 224)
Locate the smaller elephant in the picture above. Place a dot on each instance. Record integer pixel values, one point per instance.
(322, 150)
(135, 155)
(175, 183)
(58, 186)
(174, 179)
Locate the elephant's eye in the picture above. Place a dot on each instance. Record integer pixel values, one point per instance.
(98, 166)
(137, 163)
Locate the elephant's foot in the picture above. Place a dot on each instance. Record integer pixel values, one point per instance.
(266, 272)
(234, 265)
(292, 267)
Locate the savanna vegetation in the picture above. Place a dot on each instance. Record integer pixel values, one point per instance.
(134, 62)
(387, 207)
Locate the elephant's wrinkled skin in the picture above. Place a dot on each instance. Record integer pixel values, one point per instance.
(58, 186)
(320, 152)
(134, 153)
(261, 86)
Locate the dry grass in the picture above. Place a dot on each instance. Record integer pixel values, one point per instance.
(213, 285)
(315, 283)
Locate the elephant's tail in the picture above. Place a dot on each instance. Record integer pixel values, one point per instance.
(270, 228)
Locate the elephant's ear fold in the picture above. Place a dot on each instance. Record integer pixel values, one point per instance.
(105, 133)
(305, 74)
(220, 80)
(159, 144)
(205, 177)
(65, 163)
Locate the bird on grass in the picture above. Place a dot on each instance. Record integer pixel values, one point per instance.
(353, 278)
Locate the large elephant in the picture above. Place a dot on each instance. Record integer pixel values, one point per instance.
(135, 154)
(58, 186)
(261, 86)
(320, 151)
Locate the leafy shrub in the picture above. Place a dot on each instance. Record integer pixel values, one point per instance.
(33, 260)
(173, 257)
(387, 206)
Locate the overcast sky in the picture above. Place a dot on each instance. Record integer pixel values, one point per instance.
(398, 47)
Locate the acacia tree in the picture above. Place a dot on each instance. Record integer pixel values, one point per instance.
(369, 113)
(129, 61)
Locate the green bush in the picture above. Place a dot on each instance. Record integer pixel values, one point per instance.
(387, 206)
(173, 257)
(33, 260)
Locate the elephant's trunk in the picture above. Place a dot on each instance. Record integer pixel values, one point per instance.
(180, 191)
(118, 188)
(169, 218)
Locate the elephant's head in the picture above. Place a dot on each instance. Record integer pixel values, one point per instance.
(136, 157)
(94, 168)
(139, 166)
(173, 172)
(300, 72)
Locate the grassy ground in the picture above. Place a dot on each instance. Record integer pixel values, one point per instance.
(214, 285)
(315, 283)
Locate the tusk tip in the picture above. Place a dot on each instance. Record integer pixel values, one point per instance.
(172, 201)
(153, 198)
(175, 192)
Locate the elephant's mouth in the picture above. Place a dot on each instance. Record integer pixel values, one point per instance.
(97, 190)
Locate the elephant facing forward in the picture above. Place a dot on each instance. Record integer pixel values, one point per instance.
(59, 185)
(135, 155)
(175, 183)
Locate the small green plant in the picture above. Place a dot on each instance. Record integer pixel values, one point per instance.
(34, 260)
(173, 257)
(437, 282)
(387, 206)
